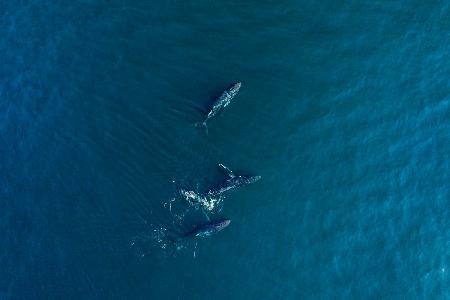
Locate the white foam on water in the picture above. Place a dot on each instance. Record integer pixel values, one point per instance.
(208, 202)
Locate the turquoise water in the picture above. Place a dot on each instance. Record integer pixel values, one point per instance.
(344, 112)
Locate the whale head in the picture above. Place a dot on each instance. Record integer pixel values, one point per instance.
(249, 179)
(222, 224)
(236, 86)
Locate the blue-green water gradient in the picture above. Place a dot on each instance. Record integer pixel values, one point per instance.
(344, 111)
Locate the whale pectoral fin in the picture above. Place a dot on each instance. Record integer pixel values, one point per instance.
(227, 171)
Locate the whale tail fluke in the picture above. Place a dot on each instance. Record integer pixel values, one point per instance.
(176, 243)
(202, 125)
(175, 240)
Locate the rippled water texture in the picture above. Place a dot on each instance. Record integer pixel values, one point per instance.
(344, 111)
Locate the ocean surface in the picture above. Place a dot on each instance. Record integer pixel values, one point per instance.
(344, 111)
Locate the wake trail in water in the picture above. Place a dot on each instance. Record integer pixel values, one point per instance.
(208, 202)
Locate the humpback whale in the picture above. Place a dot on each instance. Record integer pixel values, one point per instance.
(220, 104)
(233, 181)
(208, 229)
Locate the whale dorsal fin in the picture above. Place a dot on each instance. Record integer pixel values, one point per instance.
(227, 171)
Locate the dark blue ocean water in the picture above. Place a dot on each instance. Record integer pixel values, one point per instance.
(344, 111)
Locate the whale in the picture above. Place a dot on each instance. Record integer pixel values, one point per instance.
(208, 229)
(233, 181)
(220, 104)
